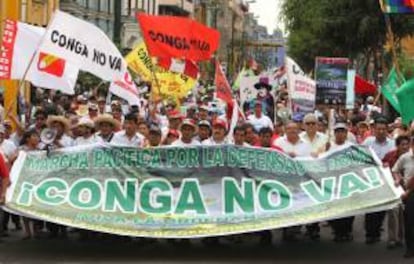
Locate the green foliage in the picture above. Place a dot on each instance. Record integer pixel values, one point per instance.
(345, 28)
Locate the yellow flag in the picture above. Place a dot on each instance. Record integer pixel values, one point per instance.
(171, 84)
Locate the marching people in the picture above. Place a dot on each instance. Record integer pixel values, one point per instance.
(342, 228)
(106, 126)
(129, 136)
(188, 129)
(395, 216)
(381, 144)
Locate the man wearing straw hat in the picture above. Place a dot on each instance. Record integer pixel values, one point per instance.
(62, 126)
(106, 125)
(188, 129)
(86, 128)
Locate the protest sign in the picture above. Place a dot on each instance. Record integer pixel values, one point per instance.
(331, 80)
(353, 79)
(195, 191)
(302, 89)
(47, 71)
(171, 83)
(87, 47)
(178, 37)
(247, 90)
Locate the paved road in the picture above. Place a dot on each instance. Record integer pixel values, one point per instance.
(14, 249)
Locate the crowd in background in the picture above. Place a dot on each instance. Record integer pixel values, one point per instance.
(90, 118)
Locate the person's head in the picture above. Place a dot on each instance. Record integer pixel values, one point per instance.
(322, 125)
(130, 124)
(310, 123)
(292, 131)
(172, 136)
(265, 135)
(143, 128)
(362, 128)
(239, 135)
(85, 127)
(250, 133)
(403, 144)
(106, 124)
(101, 104)
(93, 110)
(219, 129)
(116, 109)
(30, 139)
(154, 136)
(40, 119)
(258, 108)
(204, 130)
(279, 128)
(187, 129)
(203, 112)
(381, 128)
(174, 119)
(341, 133)
(58, 123)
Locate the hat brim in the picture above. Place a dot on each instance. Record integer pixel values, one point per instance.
(261, 85)
(104, 119)
(58, 119)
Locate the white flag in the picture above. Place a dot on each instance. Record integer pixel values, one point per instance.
(86, 46)
(302, 89)
(20, 41)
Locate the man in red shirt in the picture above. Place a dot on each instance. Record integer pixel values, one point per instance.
(4, 176)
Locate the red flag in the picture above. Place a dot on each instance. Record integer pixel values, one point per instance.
(223, 87)
(409, 3)
(178, 37)
(51, 64)
(185, 67)
(363, 87)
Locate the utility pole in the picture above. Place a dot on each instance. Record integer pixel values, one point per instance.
(117, 21)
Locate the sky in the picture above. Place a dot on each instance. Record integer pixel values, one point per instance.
(268, 12)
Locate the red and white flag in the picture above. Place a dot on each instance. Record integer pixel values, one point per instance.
(87, 47)
(20, 42)
(186, 67)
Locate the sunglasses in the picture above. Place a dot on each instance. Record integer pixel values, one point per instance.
(310, 123)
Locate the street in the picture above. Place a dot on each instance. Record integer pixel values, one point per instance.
(14, 249)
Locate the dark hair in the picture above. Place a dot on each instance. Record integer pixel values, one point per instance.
(265, 130)
(26, 135)
(131, 117)
(247, 126)
(400, 139)
(40, 112)
(143, 123)
(239, 128)
(381, 120)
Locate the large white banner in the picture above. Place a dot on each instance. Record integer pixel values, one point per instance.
(20, 42)
(247, 90)
(86, 46)
(302, 89)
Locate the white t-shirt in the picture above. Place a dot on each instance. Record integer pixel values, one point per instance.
(212, 142)
(261, 122)
(120, 138)
(380, 148)
(300, 149)
(80, 141)
(180, 143)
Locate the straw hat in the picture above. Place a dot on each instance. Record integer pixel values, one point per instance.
(86, 122)
(60, 119)
(106, 118)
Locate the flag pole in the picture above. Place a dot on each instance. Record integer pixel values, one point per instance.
(21, 82)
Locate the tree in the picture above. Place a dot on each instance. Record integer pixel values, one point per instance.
(346, 28)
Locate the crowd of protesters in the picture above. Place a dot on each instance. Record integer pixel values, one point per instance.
(91, 118)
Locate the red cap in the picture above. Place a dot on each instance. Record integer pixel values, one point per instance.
(220, 122)
(188, 122)
(174, 114)
(173, 132)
